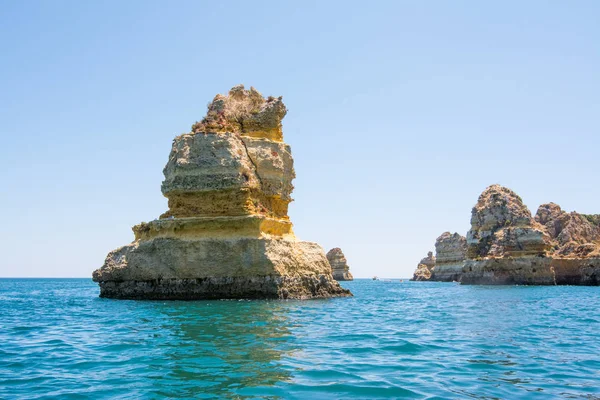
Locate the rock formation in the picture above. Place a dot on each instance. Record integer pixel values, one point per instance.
(428, 261)
(424, 268)
(575, 240)
(339, 265)
(573, 234)
(501, 225)
(450, 251)
(506, 245)
(226, 233)
(422, 273)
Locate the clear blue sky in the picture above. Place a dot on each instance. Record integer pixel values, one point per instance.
(400, 114)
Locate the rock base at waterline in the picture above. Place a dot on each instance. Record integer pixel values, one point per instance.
(207, 268)
(257, 287)
(509, 271)
(532, 271)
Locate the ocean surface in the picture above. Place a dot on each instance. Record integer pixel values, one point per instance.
(392, 340)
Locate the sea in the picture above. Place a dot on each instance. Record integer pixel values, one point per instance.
(393, 339)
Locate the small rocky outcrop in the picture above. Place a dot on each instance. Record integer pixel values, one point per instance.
(339, 265)
(424, 268)
(226, 233)
(422, 273)
(450, 251)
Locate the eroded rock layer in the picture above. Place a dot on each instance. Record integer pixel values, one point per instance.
(339, 265)
(226, 233)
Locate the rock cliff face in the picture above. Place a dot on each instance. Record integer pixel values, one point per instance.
(339, 265)
(450, 251)
(226, 233)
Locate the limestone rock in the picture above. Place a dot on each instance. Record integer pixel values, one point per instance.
(509, 271)
(339, 265)
(576, 244)
(450, 251)
(573, 235)
(422, 273)
(226, 233)
(502, 229)
(424, 268)
(502, 226)
(507, 246)
(428, 261)
(244, 111)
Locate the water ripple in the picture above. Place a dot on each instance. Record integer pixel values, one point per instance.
(392, 340)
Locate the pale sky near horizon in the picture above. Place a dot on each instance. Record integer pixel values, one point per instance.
(400, 114)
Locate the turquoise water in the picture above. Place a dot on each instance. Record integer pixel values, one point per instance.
(392, 340)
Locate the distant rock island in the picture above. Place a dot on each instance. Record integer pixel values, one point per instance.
(339, 266)
(226, 233)
(507, 245)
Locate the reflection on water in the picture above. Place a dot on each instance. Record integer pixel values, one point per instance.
(222, 347)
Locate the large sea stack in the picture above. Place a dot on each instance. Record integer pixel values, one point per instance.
(226, 233)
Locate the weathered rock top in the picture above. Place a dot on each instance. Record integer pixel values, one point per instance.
(336, 254)
(499, 206)
(450, 237)
(246, 112)
(502, 226)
